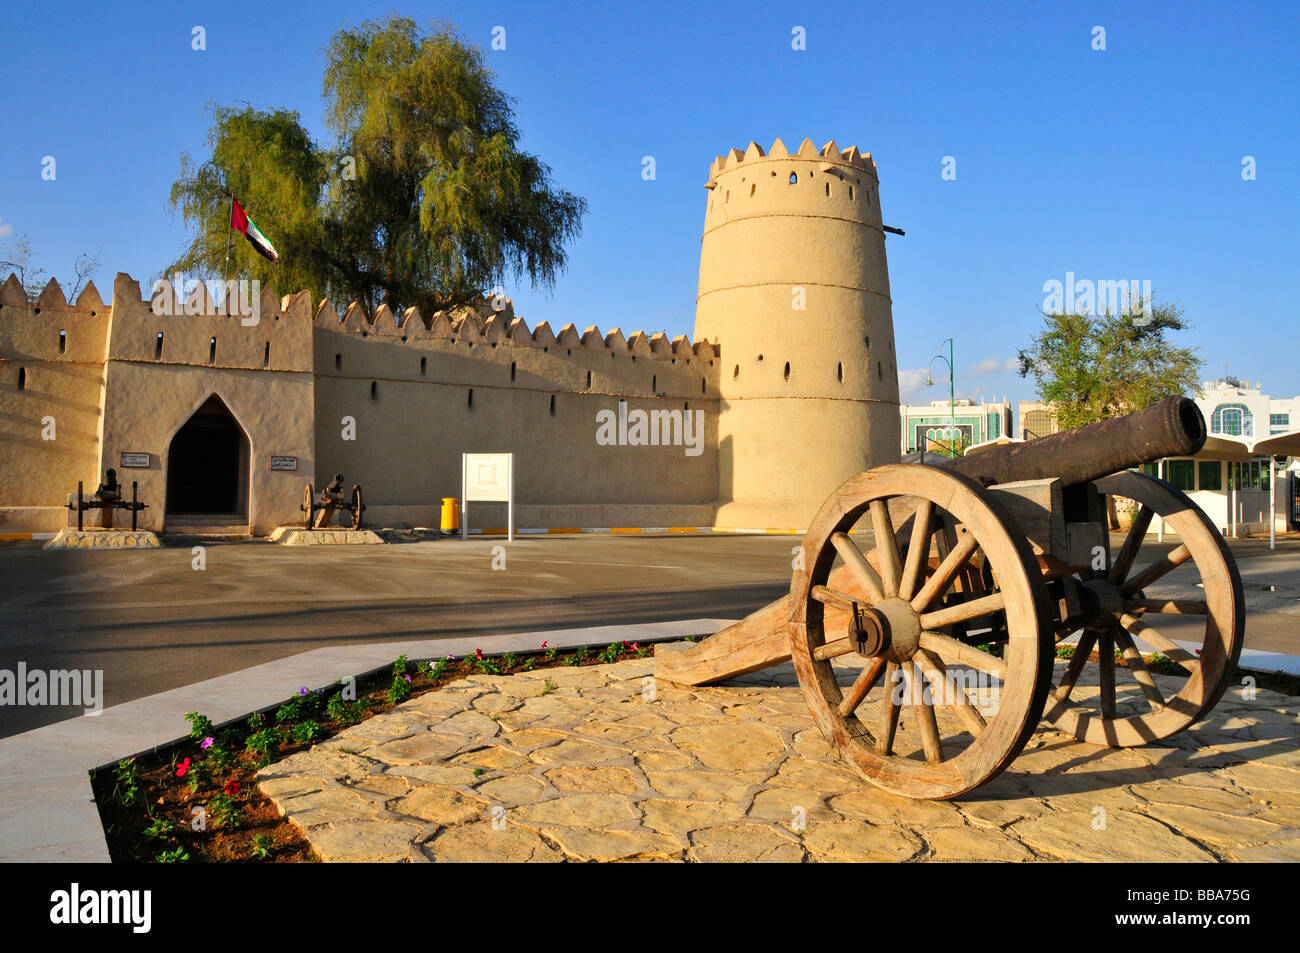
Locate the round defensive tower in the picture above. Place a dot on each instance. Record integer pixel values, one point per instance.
(795, 288)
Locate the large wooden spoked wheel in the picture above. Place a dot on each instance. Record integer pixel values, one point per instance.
(357, 506)
(1192, 595)
(963, 566)
(308, 505)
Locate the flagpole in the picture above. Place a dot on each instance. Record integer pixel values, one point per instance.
(229, 229)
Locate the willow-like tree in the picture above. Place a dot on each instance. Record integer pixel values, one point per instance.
(424, 198)
(1093, 367)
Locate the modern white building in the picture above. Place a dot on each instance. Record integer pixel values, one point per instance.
(1252, 437)
(929, 427)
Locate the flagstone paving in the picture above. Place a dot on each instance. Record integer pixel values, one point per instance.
(605, 763)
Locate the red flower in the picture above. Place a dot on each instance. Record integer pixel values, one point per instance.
(478, 653)
(231, 787)
(544, 644)
(182, 768)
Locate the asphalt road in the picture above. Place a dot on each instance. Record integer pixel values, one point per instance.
(151, 622)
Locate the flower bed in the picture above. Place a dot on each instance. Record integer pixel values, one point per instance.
(197, 800)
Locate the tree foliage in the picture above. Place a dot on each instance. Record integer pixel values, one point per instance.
(1093, 367)
(424, 199)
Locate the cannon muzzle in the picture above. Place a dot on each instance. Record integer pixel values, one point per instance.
(1172, 428)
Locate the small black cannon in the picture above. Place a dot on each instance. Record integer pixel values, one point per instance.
(976, 569)
(331, 499)
(107, 499)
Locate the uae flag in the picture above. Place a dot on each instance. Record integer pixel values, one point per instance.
(241, 223)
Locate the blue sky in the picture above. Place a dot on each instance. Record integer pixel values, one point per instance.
(1118, 164)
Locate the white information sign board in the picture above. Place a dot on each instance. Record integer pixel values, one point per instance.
(487, 478)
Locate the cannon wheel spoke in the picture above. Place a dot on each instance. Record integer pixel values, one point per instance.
(857, 563)
(886, 548)
(918, 550)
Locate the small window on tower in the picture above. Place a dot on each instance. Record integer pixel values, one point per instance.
(212, 350)
(266, 354)
(63, 342)
(338, 361)
(22, 378)
(157, 347)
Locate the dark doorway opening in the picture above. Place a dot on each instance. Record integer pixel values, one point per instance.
(207, 464)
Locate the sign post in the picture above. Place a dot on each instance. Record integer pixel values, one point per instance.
(487, 478)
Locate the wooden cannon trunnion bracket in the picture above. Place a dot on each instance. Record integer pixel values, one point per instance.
(971, 587)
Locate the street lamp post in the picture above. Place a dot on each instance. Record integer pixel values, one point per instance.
(952, 392)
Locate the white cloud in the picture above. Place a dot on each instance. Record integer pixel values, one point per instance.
(5, 229)
(992, 365)
(911, 383)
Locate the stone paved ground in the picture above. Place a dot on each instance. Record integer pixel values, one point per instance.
(588, 764)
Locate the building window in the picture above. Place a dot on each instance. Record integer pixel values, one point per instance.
(588, 380)
(1279, 423)
(471, 399)
(212, 350)
(1181, 473)
(338, 361)
(63, 342)
(1210, 474)
(1235, 420)
(157, 347)
(424, 363)
(266, 354)
(512, 372)
(22, 378)
(552, 405)
(374, 390)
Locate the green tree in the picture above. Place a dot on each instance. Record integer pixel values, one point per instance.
(425, 198)
(1093, 367)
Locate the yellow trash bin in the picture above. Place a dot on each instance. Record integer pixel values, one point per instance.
(450, 514)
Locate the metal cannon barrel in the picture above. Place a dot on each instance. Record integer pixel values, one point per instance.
(1172, 428)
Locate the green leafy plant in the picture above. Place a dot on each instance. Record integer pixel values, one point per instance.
(530, 664)
(1065, 651)
(161, 829)
(127, 776)
(225, 812)
(261, 847)
(200, 725)
(610, 652)
(400, 690)
(399, 666)
(176, 855)
(509, 660)
(438, 669)
(423, 669)
(550, 687)
(487, 666)
(290, 711)
(345, 711)
(305, 731)
(264, 744)
(199, 776)
(222, 757)
(643, 651)
(549, 652)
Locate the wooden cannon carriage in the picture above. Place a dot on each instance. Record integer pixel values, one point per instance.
(978, 568)
(320, 513)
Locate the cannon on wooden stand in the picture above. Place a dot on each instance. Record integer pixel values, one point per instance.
(319, 513)
(978, 568)
(107, 499)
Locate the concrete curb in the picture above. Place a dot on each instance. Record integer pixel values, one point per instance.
(47, 812)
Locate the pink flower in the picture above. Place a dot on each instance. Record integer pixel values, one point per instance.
(182, 768)
(636, 646)
(407, 677)
(478, 653)
(206, 743)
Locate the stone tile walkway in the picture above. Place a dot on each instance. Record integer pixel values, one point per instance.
(603, 763)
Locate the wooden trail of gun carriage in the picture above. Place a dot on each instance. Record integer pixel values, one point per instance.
(1007, 548)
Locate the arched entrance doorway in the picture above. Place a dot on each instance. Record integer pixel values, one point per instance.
(207, 468)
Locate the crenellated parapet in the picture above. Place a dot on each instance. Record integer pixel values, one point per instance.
(481, 323)
(829, 155)
(50, 328)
